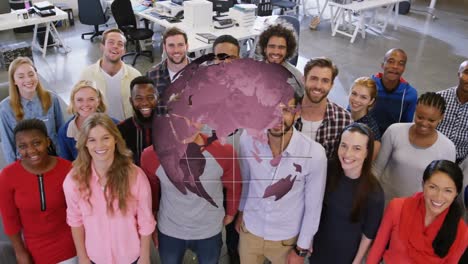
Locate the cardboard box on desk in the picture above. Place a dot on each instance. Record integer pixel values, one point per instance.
(198, 14)
(9, 52)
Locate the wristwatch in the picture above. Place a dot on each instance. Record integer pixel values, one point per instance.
(301, 252)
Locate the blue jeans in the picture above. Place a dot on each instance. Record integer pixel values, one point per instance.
(172, 250)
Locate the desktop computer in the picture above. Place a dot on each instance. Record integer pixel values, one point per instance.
(198, 14)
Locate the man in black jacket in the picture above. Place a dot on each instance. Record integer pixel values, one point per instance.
(137, 129)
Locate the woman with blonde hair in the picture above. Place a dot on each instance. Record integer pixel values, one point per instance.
(85, 100)
(361, 99)
(108, 198)
(27, 99)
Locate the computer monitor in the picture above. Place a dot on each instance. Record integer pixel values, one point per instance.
(178, 2)
(222, 6)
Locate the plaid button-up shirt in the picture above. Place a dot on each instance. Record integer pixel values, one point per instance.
(160, 76)
(454, 125)
(336, 118)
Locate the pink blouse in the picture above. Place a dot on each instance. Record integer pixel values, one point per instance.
(111, 238)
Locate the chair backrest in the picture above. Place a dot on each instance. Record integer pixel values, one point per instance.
(90, 12)
(123, 14)
(296, 25)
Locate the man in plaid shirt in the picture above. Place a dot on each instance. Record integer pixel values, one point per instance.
(175, 46)
(454, 125)
(321, 119)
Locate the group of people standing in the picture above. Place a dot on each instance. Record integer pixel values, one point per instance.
(74, 191)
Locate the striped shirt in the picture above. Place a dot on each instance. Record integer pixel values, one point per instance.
(454, 125)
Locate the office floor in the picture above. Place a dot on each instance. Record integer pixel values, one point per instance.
(435, 49)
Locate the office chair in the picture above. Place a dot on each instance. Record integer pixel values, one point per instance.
(91, 13)
(287, 6)
(125, 18)
(296, 25)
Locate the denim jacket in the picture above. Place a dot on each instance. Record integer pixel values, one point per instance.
(32, 109)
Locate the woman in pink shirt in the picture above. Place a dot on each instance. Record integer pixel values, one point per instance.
(427, 227)
(108, 198)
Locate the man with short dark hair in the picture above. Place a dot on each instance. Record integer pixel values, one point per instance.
(137, 130)
(278, 43)
(112, 75)
(175, 46)
(396, 98)
(228, 45)
(283, 187)
(454, 125)
(321, 119)
(226, 48)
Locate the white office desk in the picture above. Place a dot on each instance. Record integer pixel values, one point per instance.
(199, 47)
(341, 15)
(11, 21)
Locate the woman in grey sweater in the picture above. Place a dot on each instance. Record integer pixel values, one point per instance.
(407, 148)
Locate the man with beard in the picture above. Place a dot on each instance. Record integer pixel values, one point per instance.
(278, 43)
(283, 186)
(321, 119)
(137, 130)
(454, 125)
(112, 75)
(396, 98)
(175, 46)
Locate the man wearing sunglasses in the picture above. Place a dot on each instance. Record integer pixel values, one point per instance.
(226, 48)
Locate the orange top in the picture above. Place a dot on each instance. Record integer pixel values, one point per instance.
(400, 247)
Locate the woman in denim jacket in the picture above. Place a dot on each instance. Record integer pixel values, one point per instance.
(27, 99)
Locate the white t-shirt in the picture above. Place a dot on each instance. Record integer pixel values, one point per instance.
(310, 128)
(113, 94)
(171, 74)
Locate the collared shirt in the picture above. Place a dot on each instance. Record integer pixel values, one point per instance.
(454, 125)
(160, 76)
(52, 118)
(111, 238)
(336, 118)
(94, 73)
(283, 201)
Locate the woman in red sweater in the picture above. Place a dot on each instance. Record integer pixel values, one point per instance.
(32, 202)
(427, 227)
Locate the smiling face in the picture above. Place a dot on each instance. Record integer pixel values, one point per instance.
(85, 102)
(426, 119)
(352, 152)
(176, 48)
(318, 84)
(394, 66)
(114, 47)
(439, 193)
(143, 100)
(360, 99)
(276, 50)
(32, 146)
(100, 144)
(26, 80)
